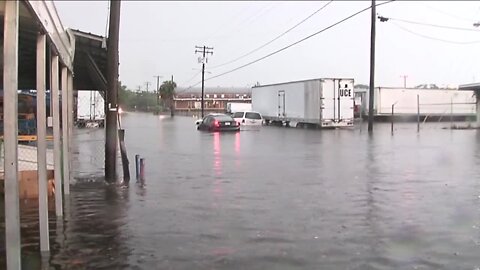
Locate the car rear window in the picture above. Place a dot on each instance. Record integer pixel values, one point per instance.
(238, 115)
(253, 115)
(223, 118)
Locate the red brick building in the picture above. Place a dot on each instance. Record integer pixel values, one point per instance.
(215, 99)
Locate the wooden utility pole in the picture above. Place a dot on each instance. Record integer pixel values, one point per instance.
(404, 80)
(158, 88)
(372, 69)
(204, 50)
(147, 84)
(112, 93)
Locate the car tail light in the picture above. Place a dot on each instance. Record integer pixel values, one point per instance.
(216, 123)
(238, 123)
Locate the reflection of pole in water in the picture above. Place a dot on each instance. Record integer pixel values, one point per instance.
(372, 211)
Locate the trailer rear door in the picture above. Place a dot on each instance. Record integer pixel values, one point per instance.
(328, 100)
(345, 100)
(337, 100)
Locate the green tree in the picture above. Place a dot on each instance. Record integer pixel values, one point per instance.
(126, 97)
(167, 92)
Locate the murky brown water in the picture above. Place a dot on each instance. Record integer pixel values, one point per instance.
(277, 198)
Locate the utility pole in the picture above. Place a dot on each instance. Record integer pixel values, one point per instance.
(204, 51)
(172, 101)
(158, 88)
(112, 93)
(147, 83)
(372, 70)
(404, 80)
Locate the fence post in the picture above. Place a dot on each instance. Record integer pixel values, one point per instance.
(142, 169)
(393, 108)
(451, 113)
(137, 166)
(418, 113)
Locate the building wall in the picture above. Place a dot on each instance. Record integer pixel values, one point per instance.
(216, 101)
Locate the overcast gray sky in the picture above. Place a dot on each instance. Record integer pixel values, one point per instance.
(159, 38)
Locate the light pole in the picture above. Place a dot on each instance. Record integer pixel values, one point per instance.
(158, 89)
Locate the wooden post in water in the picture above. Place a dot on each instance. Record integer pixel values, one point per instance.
(451, 113)
(418, 113)
(393, 108)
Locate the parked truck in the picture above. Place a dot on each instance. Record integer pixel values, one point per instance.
(90, 109)
(325, 102)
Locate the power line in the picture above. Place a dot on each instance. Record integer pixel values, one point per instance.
(193, 77)
(434, 38)
(384, 19)
(281, 35)
(297, 42)
(230, 23)
(448, 14)
(251, 18)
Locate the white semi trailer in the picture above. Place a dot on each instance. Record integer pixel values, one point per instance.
(325, 102)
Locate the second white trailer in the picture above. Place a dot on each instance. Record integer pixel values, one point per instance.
(426, 102)
(326, 102)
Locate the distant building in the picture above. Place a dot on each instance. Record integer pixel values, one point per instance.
(215, 99)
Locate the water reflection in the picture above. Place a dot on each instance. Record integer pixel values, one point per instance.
(217, 165)
(302, 199)
(217, 161)
(237, 150)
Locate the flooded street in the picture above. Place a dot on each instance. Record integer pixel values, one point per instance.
(274, 198)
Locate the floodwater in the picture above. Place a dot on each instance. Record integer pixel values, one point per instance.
(274, 198)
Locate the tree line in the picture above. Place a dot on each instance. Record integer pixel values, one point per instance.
(142, 100)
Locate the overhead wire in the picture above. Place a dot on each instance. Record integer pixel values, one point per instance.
(432, 25)
(434, 38)
(295, 43)
(276, 38)
(448, 14)
(189, 80)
